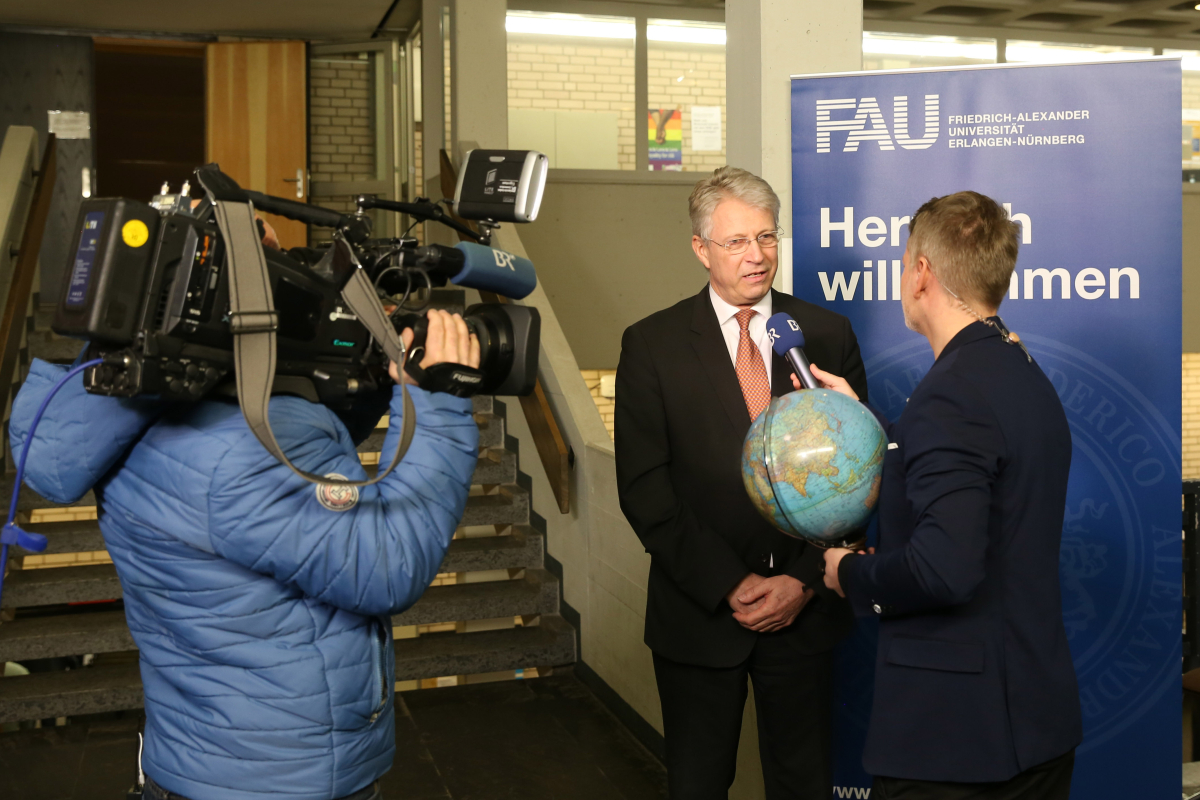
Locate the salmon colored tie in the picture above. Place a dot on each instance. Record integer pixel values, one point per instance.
(751, 372)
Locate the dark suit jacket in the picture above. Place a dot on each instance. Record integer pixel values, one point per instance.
(680, 423)
(974, 680)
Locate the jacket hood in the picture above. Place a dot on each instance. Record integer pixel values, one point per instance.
(80, 436)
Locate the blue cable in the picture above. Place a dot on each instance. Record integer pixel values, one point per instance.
(10, 533)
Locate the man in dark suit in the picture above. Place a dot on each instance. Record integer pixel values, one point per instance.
(975, 692)
(729, 596)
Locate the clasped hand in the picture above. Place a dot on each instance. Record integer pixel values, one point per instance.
(768, 604)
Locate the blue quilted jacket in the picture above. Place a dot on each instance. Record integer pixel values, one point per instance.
(262, 615)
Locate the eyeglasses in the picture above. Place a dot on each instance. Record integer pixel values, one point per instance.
(767, 241)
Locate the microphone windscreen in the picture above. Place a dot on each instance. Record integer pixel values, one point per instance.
(495, 271)
(785, 333)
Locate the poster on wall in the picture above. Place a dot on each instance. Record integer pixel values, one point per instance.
(666, 139)
(1083, 158)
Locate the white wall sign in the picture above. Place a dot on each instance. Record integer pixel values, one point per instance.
(706, 128)
(70, 124)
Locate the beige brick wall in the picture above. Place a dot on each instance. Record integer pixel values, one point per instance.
(603, 404)
(578, 76)
(1191, 90)
(341, 136)
(686, 75)
(340, 129)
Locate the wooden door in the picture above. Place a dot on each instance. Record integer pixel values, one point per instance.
(256, 102)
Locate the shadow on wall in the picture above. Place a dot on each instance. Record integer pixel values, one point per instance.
(609, 255)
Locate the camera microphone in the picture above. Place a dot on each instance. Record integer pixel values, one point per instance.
(478, 267)
(788, 341)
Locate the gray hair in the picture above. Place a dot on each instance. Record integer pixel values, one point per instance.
(729, 182)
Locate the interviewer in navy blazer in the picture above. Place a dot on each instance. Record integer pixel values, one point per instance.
(975, 691)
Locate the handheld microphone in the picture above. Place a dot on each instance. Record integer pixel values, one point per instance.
(788, 341)
(479, 267)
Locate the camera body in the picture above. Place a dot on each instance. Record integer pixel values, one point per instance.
(149, 291)
(148, 287)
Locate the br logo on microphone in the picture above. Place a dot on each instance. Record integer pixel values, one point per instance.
(504, 259)
(774, 334)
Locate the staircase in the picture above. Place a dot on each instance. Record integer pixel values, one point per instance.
(492, 613)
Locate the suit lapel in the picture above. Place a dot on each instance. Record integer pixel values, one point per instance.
(713, 355)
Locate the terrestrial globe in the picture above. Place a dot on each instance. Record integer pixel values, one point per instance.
(812, 464)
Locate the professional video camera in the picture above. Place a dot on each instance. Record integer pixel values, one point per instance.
(181, 301)
(149, 288)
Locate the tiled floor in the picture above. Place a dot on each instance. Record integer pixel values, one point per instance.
(532, 740)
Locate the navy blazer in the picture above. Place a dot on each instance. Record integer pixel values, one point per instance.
(974, 680)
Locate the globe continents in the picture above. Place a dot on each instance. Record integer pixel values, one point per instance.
(812, 464)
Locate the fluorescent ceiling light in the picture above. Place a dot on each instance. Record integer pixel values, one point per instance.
(1045, 53)
(684, 32)
(596, 27)
(929, 47)
(590, 27)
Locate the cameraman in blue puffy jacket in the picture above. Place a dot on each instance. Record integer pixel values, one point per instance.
(261, 603)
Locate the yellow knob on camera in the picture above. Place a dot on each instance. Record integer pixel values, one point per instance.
(135, 233)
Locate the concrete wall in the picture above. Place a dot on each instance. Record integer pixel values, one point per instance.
(609, 254)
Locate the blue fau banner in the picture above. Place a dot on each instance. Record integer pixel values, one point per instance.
(1086, 158)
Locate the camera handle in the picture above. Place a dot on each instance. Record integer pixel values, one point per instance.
(425, 210)
(253, 322)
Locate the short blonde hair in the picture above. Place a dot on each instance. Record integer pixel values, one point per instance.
(970, 243)
(729, 182)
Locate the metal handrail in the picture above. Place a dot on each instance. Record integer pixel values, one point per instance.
(12, 324)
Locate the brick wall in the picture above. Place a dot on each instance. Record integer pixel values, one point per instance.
(682, 76)
(341, 137)
(1191, 90)
(603, 404)
(578, 76)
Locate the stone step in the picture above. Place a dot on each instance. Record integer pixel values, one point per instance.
(548, 644)
(496, 466)
(64, 635)
(93, 582)
(491, 430)
(75, 634)
(537, 593)
(92, 690)
(523, 548)
(45, 587)
(67, 537)
(55, 349)
(509, 506)
(118, 686)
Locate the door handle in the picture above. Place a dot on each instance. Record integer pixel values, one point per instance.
(299, 181)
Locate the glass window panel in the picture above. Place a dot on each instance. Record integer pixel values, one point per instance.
(1025, 52)
(571, 89)
(904, 51)
(685, 123)
(1190, 138)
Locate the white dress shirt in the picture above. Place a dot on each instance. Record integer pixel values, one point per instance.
(727, 319)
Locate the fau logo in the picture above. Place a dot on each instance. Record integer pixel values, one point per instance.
(868, 124)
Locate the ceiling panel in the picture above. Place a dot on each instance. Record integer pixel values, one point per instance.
(299, 19)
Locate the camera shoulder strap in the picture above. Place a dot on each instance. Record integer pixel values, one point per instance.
(253, 321)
